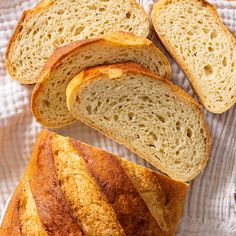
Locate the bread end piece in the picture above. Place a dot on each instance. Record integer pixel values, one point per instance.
(194, 34)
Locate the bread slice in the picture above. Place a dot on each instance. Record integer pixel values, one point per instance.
(49, 96)
(71, 188)
(53, 23)
(149, 115)
(194, 34)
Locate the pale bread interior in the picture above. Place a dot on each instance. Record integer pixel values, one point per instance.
(49, 100)
(194, 34)
(56, 23)
(156, 120)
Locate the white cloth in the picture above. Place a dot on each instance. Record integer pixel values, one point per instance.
(210, 207)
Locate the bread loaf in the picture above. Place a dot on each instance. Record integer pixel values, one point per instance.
(53, 23)
(49, 96)
(71, 188)
(194, 34)
(149, 115)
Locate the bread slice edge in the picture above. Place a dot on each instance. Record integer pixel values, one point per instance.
(91, 74)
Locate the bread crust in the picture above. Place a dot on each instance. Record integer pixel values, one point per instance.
(119, 191)
(42, 5)
(48, 197)
(92, 73)
(63, 52)
(112, 177)
(11, 222)
(173, 52)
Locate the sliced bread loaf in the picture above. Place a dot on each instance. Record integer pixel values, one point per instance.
(194, 34)
(149, 115)
(49, 96)
(53, 23)
(71, 188)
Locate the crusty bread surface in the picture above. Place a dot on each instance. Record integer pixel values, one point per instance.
(71, 188)
(49, 96)
(149, 115)
(194, 34)
(53, 23)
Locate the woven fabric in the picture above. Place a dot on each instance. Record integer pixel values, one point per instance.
(210, 207)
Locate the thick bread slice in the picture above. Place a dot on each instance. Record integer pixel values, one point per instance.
(100, 194)
(196, 37)
(53, 23)
(49, 96)
(149, 115)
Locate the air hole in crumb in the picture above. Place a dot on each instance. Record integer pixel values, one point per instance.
(190, 10)
(78, 30)
(161, 151)
(224, 62)
(210, 49)
(153, 136)
(46, 103)
(131, 115)
(190, 33)
(162, 119)
(146, 99)
(89, 109)
(201, 131)
(102, 9)
(213, 34)
(77, 99)
(189, 133)
(141, 125)
(178, 125)
(151, 145)
(205, 30)
(116, 117)
(92, 7)
(128, 15)
(208, 70)
(60, 30)
(60, 12)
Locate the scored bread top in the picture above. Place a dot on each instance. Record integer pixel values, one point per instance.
(48, 102)
(53, 23)
(122, 198)
(201, 44)
(149, 115)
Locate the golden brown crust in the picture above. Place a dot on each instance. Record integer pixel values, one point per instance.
(131, 211)
(174, 198)
(171, 194)
(11, 221)
(92, 73)
(52, 207)
(181, 63)
(62, 53)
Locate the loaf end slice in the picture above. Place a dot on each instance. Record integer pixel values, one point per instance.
(205, 49)
(49, 95)
(52, 24)
(149, 115)
(122, 198)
